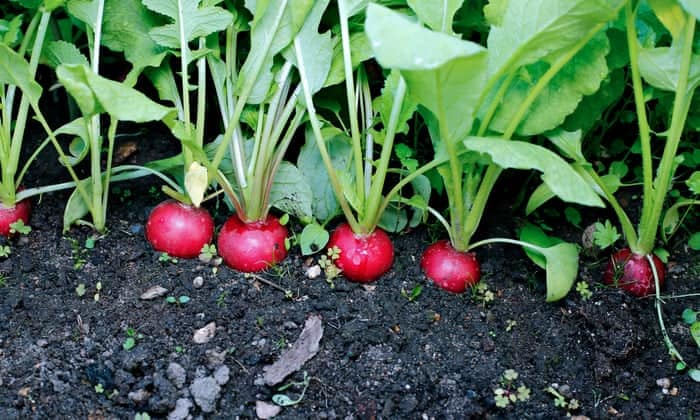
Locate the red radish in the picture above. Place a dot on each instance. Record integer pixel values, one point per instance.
(179, 229)
(450, 269)
(10, 215)
(363, 258)
(253, 246)
(632, 272)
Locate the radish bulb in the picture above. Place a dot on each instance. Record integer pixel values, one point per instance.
(179, 229)
(450, 269)
(10, 215)
(363, 258)
(254, 246)
(632, 272)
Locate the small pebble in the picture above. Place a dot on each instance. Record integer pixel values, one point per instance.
(664, 383)
(266, 410)
(313, 271)
(204, 334)
(154, 292)
(42, 342)
(198, 282)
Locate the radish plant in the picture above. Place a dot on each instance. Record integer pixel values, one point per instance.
(16, 41)
(366, 251)
(189, 23)
(540, 61)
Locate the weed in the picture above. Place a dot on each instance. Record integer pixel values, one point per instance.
(5, 251)
(285, 401)
(327, 263)
(78, 253)
(507, 393)
(482, 294)
(99, 388)
(561, 401)
(510, 324)
(81, 290)
(208, 255)
(583, 290)
(165, 258)
(413, 294)
(20, 227)
(132, 336)
(142, 416)
(3, 280)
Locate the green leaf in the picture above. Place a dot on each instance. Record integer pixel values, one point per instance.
(581, 76)
(313, 238)
(660, 67)
(14, 70)
(95, 94)
(384, 103)
(693, 182)
(530, 30)
(316, 49)
(534, 235)
(194, 21)
(670, 13)
(126, 27)
(274, 26)
(692, 7)
(689, 316)
(568, 143)
(62, 52)
(694, 241)
(605, 235)
(353, 7)
(361, 51)
(437, 14)
(311, 166)
(84, 10)
(560, 177)
(694, 374)
(76, 207)
(695, 332)
(291, 193)
(443, 73)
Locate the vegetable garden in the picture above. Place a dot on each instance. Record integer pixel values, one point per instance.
(395, 209)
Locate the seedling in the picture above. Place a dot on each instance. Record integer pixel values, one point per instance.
(180, 300)
(221, 299)
(562, 402)
(142, 416)
(583, 290)
(690, 318)
(327, 263)
(605, 235)
(20, 227)
(81, 290)
(507, 393)
(482, 294)
(77, 253)
(3, 280)
(100, 389)
(285, 401)
(165, 258)
(132, 336)
(510, 324)
(5, 251)
(413, 294)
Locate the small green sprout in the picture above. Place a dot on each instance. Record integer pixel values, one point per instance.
(132, 336)
(5, 251)
(20, 227)
(99, 388)
(583, 290)
(327, 263)
(507, 393)
(605, 235)
(413, 294)
(180, 300)
(561, 401)
(510, 324)
(482, 294)
(285, 401)
(165, 258)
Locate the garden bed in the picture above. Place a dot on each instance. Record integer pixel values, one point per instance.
(381, 354)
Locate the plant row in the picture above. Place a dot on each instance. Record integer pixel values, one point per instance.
(368, 112)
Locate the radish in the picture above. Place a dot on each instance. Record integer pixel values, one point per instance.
(363, 258)
(450, 269)
(10, 215)
(179, 229)
(254, 246)
(632, 272)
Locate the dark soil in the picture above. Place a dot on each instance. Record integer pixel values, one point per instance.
(381, 355)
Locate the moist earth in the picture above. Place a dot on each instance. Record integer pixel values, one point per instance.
(108, 353)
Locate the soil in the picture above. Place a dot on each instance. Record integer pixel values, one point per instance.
(381, 355)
